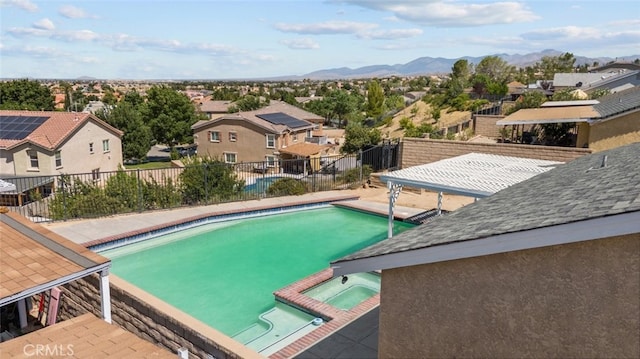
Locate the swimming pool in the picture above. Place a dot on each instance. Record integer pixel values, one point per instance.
(225, 273)
(261, 184)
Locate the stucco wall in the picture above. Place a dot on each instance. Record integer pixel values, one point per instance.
(578, 300)
(616, 132)
(250, 146)
(149, 319)
(418, 151)
(75, 154)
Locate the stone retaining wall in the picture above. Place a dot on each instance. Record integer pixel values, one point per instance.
(419, 151)
(150, 320)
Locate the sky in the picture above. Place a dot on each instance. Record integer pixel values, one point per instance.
(216, 39)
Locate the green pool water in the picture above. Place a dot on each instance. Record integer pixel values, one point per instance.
(224, 274)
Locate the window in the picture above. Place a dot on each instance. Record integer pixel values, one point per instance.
(271, 141)
(230, 157)
(91, 147)
(233, 136)
(105, 145)
(295, 137)
(95, 174)
(271, 161)
(33, 159)
(214, 136)
(309, 134)
(58, 159)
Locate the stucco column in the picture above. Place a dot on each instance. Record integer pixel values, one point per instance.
(105, 295)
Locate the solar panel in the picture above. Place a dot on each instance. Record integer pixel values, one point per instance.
(19, 127)
(280, 118)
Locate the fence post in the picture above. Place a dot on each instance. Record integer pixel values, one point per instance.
(139, 191)
(361, 166)
(206, 189)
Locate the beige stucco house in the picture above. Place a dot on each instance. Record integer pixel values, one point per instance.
(610, 121)
(40, 144)
(265, 135)
(547, 268)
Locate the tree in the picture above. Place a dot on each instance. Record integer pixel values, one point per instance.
(25, 95)
(461, 71)
(170, 115)
(375, 99)
(357, 136)
(551, 65)
(204, 179)
(136, 139)
(496, 69)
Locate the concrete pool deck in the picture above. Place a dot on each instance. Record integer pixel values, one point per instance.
(93, 231)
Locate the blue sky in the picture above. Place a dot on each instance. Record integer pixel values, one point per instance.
(216, 39)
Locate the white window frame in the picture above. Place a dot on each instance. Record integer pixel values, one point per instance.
(235, 157)
(105, 146)
(95, 174)
(270, 137)
(233, 136)
(34, 164)
(270, 160)
(217, 135)
(58, 158)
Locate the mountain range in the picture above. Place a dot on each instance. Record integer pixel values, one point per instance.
(440, 65)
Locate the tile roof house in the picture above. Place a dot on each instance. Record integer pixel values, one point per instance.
(41, 143)
(215, 108)
(37, 145)
(601, 124)
(549, 267)
(592, 81)
(261, 135)
(35, 262)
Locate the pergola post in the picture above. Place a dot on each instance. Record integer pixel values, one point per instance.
(394, 192)
(105, 295)
(439, 203)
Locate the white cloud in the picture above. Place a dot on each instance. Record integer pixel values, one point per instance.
(73, 12)
(25, 31)
(301, 44)
(79, 35)
(441, 13)
(390, 34)
(326, 28)
(22, 4)
(44, 24)
(564, 33)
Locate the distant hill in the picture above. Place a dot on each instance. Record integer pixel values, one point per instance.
(440, 65)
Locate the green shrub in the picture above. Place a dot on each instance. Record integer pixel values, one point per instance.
(287, 187)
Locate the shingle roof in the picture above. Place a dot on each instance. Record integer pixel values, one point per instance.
(577, 191)
(85, 336)
(32, 256)
(618, 102)
(55, 130)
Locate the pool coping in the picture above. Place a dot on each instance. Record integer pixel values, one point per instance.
(220, 213)
(291, 294)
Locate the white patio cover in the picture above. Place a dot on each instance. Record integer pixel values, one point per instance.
(7, 186)
(475, 175)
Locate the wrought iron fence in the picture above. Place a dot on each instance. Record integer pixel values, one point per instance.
(99, 194)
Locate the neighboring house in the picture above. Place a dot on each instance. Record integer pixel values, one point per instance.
(95, 106)
(549, 267)
(215, 108)
(258, 135)
(608, 122)
(35, 262)
(37, 144)
(592, 81)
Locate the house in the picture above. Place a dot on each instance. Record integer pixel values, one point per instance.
(549, 267)
(35, 262)
(215, 108)
(41, 143)
(614, 80)
(608, 122)
(257, 136)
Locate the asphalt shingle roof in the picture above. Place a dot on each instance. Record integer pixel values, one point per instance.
(579, 190)
(618, 102)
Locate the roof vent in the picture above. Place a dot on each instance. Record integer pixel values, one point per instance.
(603, 164)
